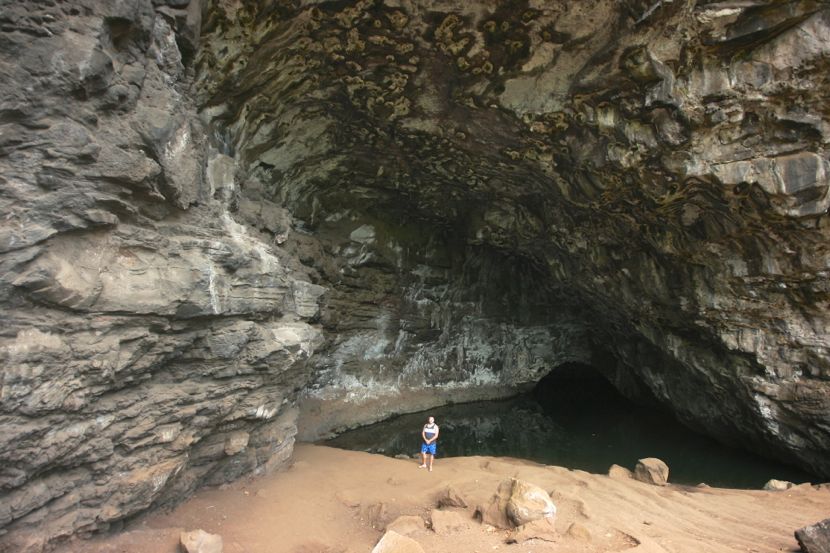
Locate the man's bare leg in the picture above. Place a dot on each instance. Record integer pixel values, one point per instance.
(423, 464)
(431, 458)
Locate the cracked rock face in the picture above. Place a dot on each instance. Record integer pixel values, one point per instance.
(227, 220)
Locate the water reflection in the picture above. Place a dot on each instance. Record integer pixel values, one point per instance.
(588, 428)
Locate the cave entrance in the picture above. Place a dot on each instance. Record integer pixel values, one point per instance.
(574, 418)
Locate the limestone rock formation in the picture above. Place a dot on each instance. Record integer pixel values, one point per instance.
(220, 214)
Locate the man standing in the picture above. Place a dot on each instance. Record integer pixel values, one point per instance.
(428, 448)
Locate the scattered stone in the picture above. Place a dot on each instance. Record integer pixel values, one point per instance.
(814, 538)
(392, 542)
(402, 456)
(529, 502)
(620, 473)
(579, 532)
(199, 541)
(451, 497)
(447, 522)
(540, 529)
(406, 525)
(778, 485)
(376, 514)
(652, 471)
(516, 503)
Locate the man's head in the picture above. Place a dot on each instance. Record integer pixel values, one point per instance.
(431, 420)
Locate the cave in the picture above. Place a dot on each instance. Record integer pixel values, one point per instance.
(229, 226)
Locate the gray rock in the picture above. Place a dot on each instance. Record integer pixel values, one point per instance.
(814, 538)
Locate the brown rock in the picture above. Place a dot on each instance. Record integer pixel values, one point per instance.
(447, 522)
(451, 497)
(199, 541)
(620, 473)
(540, 529)
(392, 542)
(652, 471)
(406, 524)
(529, 502)
(579, 532)
(516, 503)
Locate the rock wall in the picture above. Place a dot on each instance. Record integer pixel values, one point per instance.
(662, 165)
(150, 343)
(219, 215)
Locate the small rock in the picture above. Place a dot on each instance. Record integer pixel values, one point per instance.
(406, 525)
(403, 456)
(579, 532)
(451, 497)
(540, 529)
(652, 471)
(392, 542)
(815, 538)
(199, 541)
(620, 473)
(447, 522)
(778, 485)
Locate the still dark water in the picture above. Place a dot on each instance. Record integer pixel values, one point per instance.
(589, 427)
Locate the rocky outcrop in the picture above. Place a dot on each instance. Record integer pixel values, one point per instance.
(661, 167)
(151, 343)
(218, 215)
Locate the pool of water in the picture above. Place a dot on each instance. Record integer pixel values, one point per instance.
(589, 427)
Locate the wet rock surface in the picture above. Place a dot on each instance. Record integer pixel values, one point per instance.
(217, 212)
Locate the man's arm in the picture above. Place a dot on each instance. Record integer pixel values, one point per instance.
(435, 437)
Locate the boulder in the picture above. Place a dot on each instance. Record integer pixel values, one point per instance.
(199, 541)
(516, 503)
(774, 485)
(620, 473)
(392, 542)
(814, 538)
(652, 471)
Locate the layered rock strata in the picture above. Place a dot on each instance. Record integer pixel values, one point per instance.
(662, 166)
(218, 212)
(150, 342)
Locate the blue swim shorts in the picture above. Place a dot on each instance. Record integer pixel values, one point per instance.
(428, 448)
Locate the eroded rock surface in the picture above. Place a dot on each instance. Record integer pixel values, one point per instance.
(151, 343)
(661, 167)
(214, 209)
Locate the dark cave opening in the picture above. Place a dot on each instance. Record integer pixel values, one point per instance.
(574, 417)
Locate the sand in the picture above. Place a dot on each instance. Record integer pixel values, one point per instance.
(333, 501)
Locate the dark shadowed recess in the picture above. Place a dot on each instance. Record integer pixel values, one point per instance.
(574, 418)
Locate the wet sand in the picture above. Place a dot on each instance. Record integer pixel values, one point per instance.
(336, 501)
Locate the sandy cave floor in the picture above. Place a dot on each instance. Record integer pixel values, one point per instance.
(336, 501)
